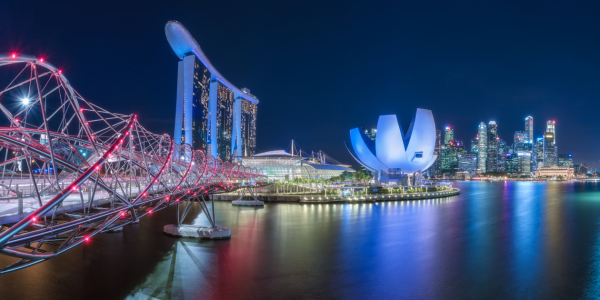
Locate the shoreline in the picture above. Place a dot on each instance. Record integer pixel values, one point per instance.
(305, 199)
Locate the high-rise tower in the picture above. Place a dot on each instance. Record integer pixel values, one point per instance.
(448, 135)
(492, 159)
(551, 128)
(482, 153)
(212, 114)
(550, 157)
(529, 129)
(539, 153)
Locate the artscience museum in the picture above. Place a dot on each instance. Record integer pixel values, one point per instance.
(394, 152)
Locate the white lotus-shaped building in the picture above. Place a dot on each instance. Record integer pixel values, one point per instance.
(394, 151)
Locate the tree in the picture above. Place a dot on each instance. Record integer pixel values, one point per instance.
(346, 176)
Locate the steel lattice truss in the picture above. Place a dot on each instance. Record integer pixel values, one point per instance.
(71, 169)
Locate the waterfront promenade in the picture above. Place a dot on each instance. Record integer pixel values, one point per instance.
(315, 198)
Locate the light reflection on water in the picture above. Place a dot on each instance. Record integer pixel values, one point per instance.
(500, 240)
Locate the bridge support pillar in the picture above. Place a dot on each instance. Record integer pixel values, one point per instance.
(250, 202)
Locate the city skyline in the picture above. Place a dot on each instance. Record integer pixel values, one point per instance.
(536, 64)
(456, 153)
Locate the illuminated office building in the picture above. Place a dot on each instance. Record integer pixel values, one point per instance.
(550, 159)
(502, 150)
(467, 162)
(520, 139)
(524, 162)
(539, 153)
(551, 128)
(512, 163)
(212, 114)
(529, 129)
(483, 148)
(475, 145)
(565, 160)
(492, 158)
(448, 135)
(436, 169)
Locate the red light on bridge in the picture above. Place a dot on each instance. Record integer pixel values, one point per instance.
(59, 71)
(34, 219)
(150, 211)
(122, 214)
(87, 238)
(14, 55)
(42, 59)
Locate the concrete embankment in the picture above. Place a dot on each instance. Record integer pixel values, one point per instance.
(337, 199)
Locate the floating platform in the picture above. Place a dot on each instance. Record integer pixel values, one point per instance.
(248, 202)
(381, 197)
(197, 231)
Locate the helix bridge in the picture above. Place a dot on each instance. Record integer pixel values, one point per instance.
(71, 169)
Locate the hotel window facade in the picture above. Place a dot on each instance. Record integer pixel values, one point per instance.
(224, 121)
(248, 128)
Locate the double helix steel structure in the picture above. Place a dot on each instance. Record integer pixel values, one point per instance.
(72, 169)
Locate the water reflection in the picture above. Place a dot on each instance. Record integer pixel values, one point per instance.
(500, 240)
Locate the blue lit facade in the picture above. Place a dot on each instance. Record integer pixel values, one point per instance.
(394, 151)
(211, 114)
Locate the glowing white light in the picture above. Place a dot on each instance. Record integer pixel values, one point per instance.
(25, 101)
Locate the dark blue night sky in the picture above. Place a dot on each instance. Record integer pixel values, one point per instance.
(321, 68)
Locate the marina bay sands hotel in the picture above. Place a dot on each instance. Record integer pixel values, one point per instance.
(212, 114)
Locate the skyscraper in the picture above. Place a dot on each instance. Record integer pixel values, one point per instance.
(475, 145)
(520, 139)
(529, 128)
(483, 147)
(565, 160)
(550, 159)
(449, 157)
(211, 113)
(492, 157)
(524, 162)
(437, 165)
(539, 153)
(467, 162)
(448, 135)
(502, 150)
(512, 163)
(551, 128)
